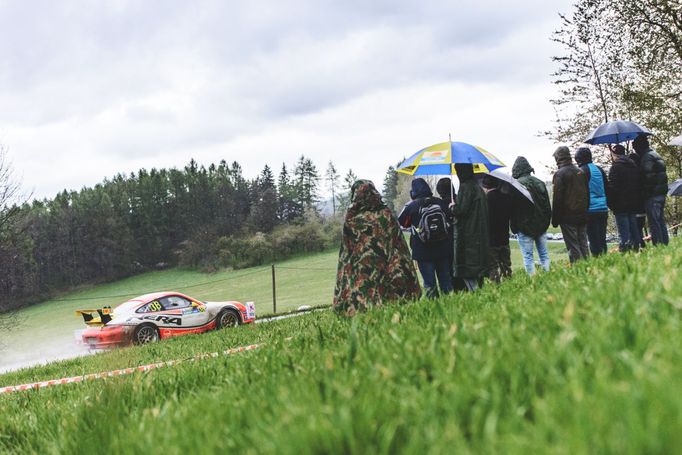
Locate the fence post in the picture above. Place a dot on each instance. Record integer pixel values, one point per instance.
(274, 291)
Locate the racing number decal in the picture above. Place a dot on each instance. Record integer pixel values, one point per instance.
(155, 306)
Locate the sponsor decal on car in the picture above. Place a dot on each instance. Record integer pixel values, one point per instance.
(250, 310)
(162, 319)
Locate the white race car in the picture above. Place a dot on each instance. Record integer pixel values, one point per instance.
(152, 317)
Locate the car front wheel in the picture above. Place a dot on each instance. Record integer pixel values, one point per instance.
(227, 319)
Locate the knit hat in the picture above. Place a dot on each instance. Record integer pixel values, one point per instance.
(583, 156)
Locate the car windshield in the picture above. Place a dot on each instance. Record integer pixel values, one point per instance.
(127, 306)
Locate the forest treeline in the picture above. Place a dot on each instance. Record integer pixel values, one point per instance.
(199, 217)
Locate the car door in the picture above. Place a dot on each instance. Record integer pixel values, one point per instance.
(191, 313)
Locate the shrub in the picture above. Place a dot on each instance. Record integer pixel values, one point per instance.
(208, 253)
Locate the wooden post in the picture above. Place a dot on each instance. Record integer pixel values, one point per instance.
(274, 291)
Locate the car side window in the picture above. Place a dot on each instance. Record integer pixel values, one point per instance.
(175, 302)
(150, 307)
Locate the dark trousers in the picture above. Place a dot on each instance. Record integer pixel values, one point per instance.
(596, 232)
(430, 270)
(655, 207)
(575, 238)
(628, 231)
(500, 263)
(641, 225)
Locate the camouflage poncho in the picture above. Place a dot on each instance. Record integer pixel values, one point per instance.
(374, 262)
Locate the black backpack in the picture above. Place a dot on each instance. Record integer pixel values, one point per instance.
(433, 224)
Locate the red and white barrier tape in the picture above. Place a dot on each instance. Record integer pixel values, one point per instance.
(123, 371)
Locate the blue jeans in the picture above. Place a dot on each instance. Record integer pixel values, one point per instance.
(430, 270)
(526, 243)
(654, 207)
(628, 231)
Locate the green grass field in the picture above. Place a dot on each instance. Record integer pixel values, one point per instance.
(580, 360)
(46, 331)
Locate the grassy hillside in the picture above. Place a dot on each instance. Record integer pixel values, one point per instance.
(583, 359)
(46, 331)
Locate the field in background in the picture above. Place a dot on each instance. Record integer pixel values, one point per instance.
(46, 331)
(582, 359)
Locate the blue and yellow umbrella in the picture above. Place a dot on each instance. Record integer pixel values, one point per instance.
(440, 159)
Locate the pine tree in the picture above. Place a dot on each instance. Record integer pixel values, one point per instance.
(390, 191)
(306, 183)
(265, 202)
(332, 177)
(288, 209)
(344, 197)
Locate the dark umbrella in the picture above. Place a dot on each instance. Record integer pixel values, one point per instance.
(616, 132)
(518, 186)
(675, 188)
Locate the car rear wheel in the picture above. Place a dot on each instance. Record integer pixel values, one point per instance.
(145, 333)
(227, 319)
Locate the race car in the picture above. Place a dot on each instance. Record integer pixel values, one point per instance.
(151, 317)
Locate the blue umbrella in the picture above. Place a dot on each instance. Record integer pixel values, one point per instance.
(616, 132)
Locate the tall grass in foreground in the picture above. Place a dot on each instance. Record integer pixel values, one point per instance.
(582, 359)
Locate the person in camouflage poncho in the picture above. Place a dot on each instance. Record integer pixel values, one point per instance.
(374, 262)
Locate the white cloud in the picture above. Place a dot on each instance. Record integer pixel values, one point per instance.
(90, 90)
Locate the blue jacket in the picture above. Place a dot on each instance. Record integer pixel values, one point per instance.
(596, 178)
(409, 217)
(598, 183)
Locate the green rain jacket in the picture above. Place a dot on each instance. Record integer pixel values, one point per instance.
(530, 219)
(471, 232)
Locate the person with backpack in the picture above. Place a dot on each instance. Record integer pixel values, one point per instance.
(471, 229)
(597, 211)
(529, 221)
(447, 193)
(425, 216)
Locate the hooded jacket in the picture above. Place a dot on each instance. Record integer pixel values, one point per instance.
(596, 178)
(654, 176)
(570, 199)
(530, 219)
(374, 263)
(471, 231)
(624, 186)
(410, 216)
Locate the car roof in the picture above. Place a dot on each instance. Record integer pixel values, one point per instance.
(153, 296)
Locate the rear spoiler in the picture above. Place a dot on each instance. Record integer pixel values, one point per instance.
(102, 317)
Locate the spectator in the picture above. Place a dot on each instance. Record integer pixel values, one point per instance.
(654, 188)
(499, 213)
(447, 193)
(374, 262)
(432, 253)
(639, 198)
(471, 236)
(570, 201)
(598, 211)
(624, 185)
(531, 220)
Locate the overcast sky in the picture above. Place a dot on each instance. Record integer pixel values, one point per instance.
(89, 89)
